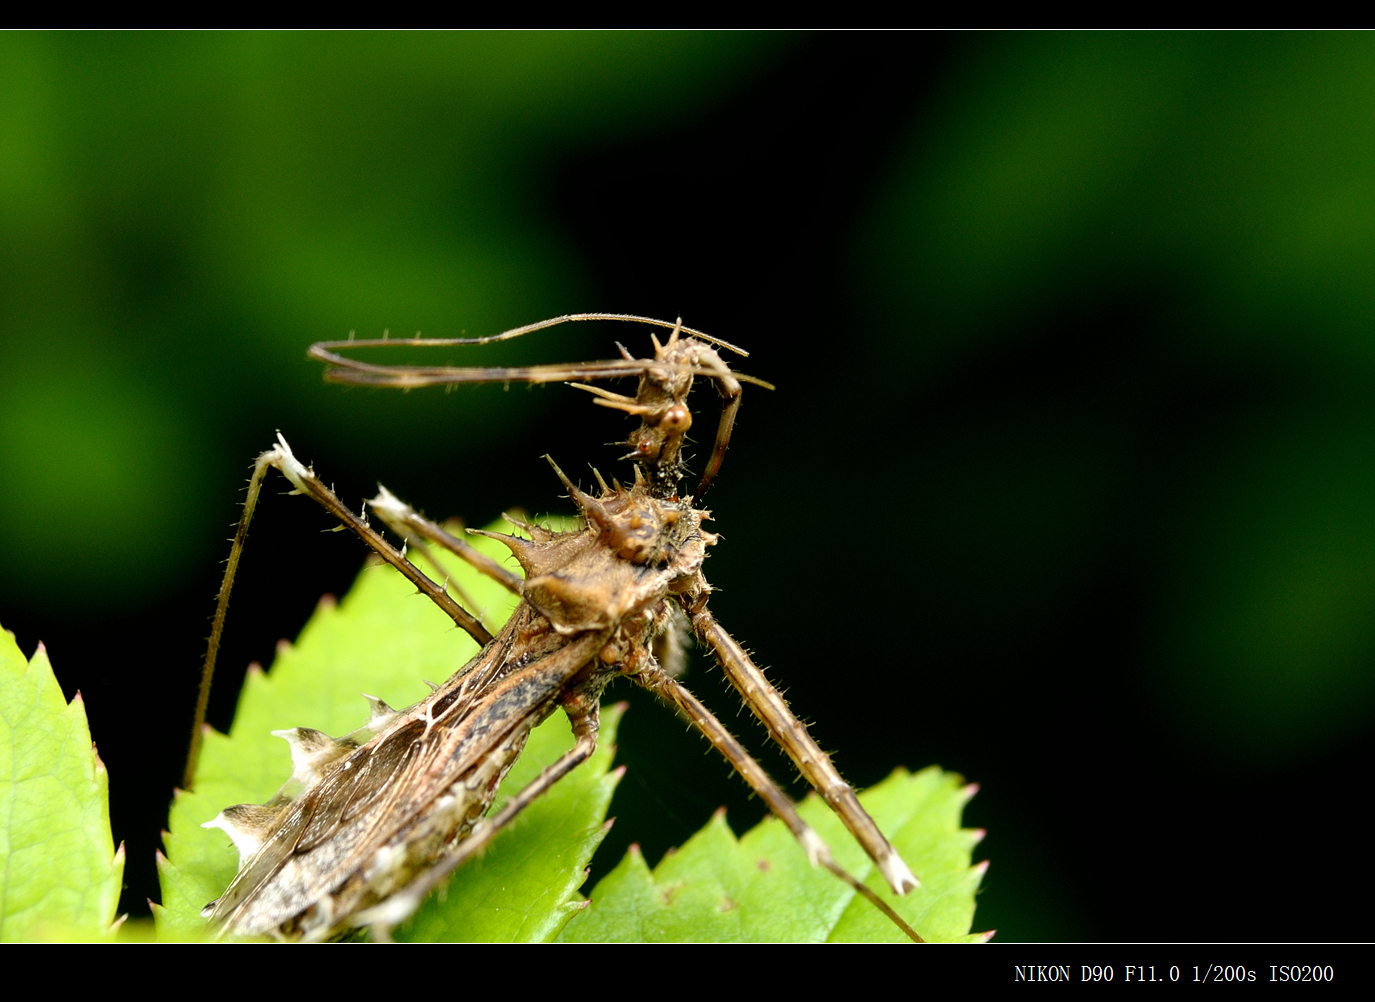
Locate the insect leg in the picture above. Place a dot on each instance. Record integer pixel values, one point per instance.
(584, 713)
(305, 482)
(771, 708)
(762, 783)
(729, 388)
(212, 650)
(410, 525)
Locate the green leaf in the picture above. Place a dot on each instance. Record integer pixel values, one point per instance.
(385, 640)
(760, 888)
(60, 875)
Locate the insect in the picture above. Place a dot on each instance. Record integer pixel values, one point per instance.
(370, 823)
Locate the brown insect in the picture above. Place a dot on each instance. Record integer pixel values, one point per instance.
(371, 822)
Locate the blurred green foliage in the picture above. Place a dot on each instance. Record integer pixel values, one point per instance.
(1226, 184)
(180, 214)
(1238, 166)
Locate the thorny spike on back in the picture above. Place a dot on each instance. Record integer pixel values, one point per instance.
(369, 823)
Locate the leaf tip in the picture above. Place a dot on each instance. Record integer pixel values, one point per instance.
(968, 791)
(977, 835)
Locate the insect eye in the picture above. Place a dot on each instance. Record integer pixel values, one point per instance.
(676, 419)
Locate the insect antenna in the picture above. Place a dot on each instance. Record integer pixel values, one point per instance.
(322, 348)
(664, 382)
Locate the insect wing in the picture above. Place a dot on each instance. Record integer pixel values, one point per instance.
(409, 791)
(304, 824)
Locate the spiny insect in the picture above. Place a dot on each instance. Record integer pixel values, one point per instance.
(370, 823)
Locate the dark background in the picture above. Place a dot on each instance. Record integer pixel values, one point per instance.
(1068, 483)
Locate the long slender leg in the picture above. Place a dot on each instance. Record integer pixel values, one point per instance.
(409, 524)
(818, 852)
(771, 708)
(212, 650)
(584, 713)
(305, 482)
(416, 544)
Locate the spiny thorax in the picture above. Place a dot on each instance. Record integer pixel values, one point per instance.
(633, 550)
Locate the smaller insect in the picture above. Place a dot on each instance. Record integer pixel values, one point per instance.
(370, 823)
